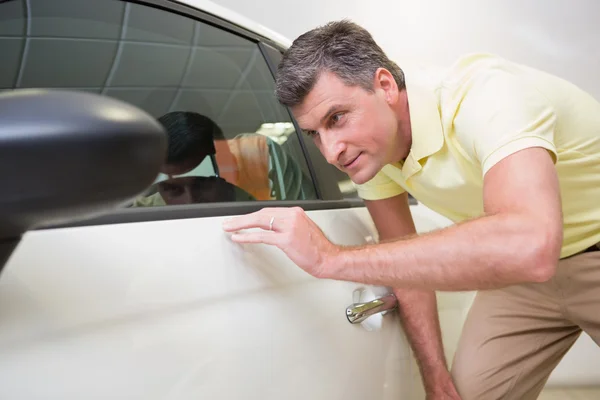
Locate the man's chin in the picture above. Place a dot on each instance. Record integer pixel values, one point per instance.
(362, 176)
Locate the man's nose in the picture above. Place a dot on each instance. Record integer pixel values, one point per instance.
(332, 150)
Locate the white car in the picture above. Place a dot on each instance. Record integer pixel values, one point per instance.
(150, 299)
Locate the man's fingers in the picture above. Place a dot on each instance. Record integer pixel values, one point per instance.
(255, 237)
(253, 220)
(260, 219)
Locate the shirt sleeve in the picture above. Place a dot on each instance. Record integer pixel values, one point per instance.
(500, 114)
(379, 188)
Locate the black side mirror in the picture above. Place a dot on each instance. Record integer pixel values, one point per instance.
(67, 155)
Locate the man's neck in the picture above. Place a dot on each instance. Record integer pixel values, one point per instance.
(404, 127)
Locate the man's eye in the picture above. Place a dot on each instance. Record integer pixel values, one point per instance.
(335, 118)
(312, 133)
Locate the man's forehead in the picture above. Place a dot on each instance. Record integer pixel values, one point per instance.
(308, 113)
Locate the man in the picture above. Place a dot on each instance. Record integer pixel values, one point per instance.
(511, 154)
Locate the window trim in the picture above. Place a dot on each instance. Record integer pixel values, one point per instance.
(190, 12)
(206, 210)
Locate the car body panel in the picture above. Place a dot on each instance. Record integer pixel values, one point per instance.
(174, 309)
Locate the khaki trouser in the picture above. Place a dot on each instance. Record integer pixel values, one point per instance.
(514, 337)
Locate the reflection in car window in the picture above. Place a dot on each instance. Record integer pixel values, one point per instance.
(229, 139)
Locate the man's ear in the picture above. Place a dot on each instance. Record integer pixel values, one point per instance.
(384, 81)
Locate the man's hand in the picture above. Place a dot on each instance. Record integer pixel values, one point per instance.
(440, 387)
(292, 231)
(444, 389)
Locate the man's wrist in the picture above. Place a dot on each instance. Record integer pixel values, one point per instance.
(438, 368)
(333, 261)
(435, 376)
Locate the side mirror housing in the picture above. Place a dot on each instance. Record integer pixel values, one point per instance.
(69, 155)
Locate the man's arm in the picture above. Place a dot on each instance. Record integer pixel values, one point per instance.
(518, 240)
(417, 308)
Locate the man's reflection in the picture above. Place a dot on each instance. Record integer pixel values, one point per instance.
(192, 172)
(190, 141)
(202, 166)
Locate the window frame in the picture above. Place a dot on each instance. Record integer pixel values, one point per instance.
(206, 210)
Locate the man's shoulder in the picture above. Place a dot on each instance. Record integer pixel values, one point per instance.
(470, 69)
(465, 67)
(468, 73)
(483, 81)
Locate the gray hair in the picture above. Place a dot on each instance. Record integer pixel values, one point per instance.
(341, 47)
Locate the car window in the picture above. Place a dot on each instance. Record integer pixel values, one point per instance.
(229, 139)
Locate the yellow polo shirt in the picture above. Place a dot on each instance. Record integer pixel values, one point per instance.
(481, 110)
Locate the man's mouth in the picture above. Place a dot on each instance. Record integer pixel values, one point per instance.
(352, 162)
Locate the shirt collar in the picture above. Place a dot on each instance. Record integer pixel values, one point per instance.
(425, 123)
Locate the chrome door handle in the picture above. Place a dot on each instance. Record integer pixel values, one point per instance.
(358, 312)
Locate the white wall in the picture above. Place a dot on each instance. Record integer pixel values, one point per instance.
(559, 36)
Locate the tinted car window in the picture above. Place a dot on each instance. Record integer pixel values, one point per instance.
(229, 139)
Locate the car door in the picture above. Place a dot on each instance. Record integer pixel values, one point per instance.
(153, 301)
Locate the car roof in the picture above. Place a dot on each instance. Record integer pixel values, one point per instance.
(237, 19)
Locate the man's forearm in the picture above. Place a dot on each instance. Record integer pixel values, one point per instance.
(489, 252)
(419, 316)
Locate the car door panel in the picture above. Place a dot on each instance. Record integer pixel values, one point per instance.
(173, 309)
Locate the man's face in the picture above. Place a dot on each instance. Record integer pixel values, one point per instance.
(356, 130)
